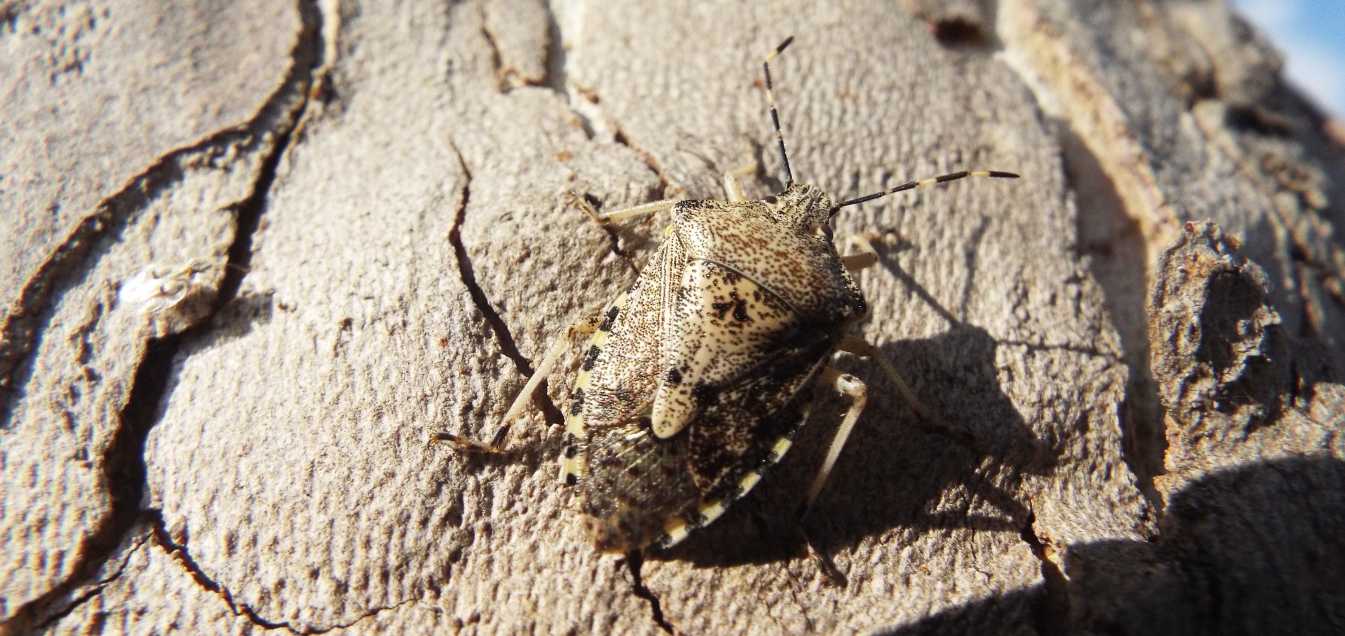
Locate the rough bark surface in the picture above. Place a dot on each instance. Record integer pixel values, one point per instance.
(258, 253)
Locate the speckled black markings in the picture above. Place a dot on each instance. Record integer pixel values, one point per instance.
(716, 347)
(609, 318)
(577, 401)
(590, 357)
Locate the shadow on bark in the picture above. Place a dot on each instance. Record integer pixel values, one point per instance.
(1252, 550)
(896, 467)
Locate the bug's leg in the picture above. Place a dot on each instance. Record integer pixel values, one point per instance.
(637, 211)
(851, 387)
(576, 331)
(862, 348)
(864, 254)
(617, 216)
(733, 187)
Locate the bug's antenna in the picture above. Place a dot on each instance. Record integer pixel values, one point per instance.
(925, 183)
(775, 114)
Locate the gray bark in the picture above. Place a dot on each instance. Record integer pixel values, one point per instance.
(257, 254)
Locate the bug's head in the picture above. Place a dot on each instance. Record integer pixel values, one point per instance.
(802, 205)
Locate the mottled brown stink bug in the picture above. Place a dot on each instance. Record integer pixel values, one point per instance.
(697, 377)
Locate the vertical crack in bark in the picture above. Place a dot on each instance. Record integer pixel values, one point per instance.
(1119, 260)
(634, 562)
(664, 184)
(1053, 611)
(584, 105)
(124, 469)
(497, 325)
(1114, 187)
(557, 76)
(496, 60)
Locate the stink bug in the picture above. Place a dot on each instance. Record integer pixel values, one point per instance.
(696, 378)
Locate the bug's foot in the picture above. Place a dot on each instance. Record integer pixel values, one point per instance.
(587, 207)
(830, 572)
(466, 445)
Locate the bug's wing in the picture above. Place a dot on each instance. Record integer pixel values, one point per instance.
(633, 480)
(637, 481)
(733, 371)
(726, 323)
(643, 487)
(751, 419)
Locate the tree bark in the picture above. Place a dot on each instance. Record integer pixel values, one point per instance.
(259, 254)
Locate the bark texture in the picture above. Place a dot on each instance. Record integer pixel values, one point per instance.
(257, 253)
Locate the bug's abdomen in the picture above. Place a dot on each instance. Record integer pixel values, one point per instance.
(642, 490)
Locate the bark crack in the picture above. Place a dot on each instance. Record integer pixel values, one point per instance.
(557, 76)
(467, 273)
(664, 183)
(124, 470)
(97, 589)
(178, 551)
(34, 306)
(1120, 215)
(634, 563)
(584, 104)
(497, 61)
(1053, 610)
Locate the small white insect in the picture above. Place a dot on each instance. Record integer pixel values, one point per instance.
(173, 298)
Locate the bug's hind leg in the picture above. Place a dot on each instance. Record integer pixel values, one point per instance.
(577, 330)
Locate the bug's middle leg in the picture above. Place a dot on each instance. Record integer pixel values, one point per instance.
(863, 256)
(577, 330)
(851, 387)
(854, 389)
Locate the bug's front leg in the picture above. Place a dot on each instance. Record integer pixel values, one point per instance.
(733, 187)
(576, 331)
(625, 214)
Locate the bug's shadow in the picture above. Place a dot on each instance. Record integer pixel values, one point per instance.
(896, 467)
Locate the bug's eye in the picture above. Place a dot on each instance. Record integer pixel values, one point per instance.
(771, 200)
